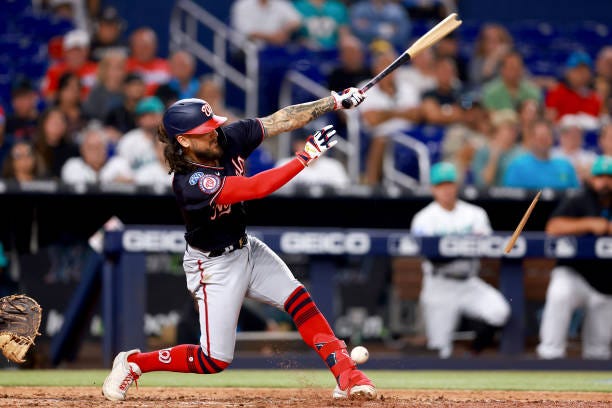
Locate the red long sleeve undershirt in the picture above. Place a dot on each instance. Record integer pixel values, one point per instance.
(240, 188)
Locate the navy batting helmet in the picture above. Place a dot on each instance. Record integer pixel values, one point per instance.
(190, 117)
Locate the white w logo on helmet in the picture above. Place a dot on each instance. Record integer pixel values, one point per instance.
(206, 108)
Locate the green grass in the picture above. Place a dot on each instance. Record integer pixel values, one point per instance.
(468, 380)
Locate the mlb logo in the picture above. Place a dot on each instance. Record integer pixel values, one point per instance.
(562, 247)
(403, 245)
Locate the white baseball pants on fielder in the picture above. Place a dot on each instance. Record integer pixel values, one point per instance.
(567, 291)
(443, 301)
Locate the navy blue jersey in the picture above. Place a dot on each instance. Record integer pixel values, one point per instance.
(210, 226)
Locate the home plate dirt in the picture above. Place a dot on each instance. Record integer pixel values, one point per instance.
(154, 397)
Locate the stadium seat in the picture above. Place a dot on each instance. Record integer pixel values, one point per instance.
(526, 50)
(315, 65)
(420, 27)
(535, 32)
(590, 33)
(431, 136)
(6, 74)
(407, 161)
(469, 30)
(541, 66)
(32, 69)
(16, 7)
(591, 140)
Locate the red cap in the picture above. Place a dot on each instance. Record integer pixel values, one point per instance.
(212, 123)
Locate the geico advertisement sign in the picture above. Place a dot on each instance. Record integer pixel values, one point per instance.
(154, 241)
(490, 246)
(603, 247)
(336, 243)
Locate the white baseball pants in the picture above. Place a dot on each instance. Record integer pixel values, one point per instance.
(220, 285)
(566, 292)
(443, 301)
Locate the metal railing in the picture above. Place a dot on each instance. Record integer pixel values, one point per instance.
(349, 146)
(186, 21)
(392, 175)
(188, 18)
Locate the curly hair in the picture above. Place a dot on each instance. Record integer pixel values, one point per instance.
(173, 152)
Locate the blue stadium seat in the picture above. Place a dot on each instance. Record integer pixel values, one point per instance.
(32, 69)
(315, 65)
(468, 31)
(543, 67)
(42, 26)
(59, 26)
(535, 32)
(527, 50)
(420, 27)
(9, 44)
(431, 136)
(590, 33)
(6, 75)
(16, 7)
(591, 140)
(406, 161)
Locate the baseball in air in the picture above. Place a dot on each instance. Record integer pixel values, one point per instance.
(360, 354)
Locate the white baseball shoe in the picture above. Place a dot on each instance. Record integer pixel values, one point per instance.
(358, 386)
(121, 377)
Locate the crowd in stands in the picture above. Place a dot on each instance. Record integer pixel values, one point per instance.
(494, 113)
(498, 114)
(92, 115)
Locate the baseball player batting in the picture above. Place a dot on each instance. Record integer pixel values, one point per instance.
(222, 263)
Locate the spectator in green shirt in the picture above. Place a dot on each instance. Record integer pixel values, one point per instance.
(492, 160)
(510, 88)
(324, 23)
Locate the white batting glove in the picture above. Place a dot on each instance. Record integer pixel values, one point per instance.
(349, 98)
(317, 144)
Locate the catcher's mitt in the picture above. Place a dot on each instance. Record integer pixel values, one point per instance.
(19, 322)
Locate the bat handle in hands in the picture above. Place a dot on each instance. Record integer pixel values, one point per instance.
(349, 98)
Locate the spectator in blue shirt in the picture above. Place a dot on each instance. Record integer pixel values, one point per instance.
(536, 168)
(381, 20)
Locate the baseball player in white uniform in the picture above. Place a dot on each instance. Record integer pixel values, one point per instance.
(451, 287)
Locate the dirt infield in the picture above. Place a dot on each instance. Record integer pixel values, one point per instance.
(285, 397)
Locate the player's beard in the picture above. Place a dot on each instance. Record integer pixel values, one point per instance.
(209, 155)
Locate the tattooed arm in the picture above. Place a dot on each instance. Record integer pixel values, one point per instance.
(295, 116)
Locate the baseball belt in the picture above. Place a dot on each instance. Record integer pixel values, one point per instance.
(240, 243)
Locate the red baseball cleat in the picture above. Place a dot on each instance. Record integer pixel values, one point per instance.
(354, 384)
